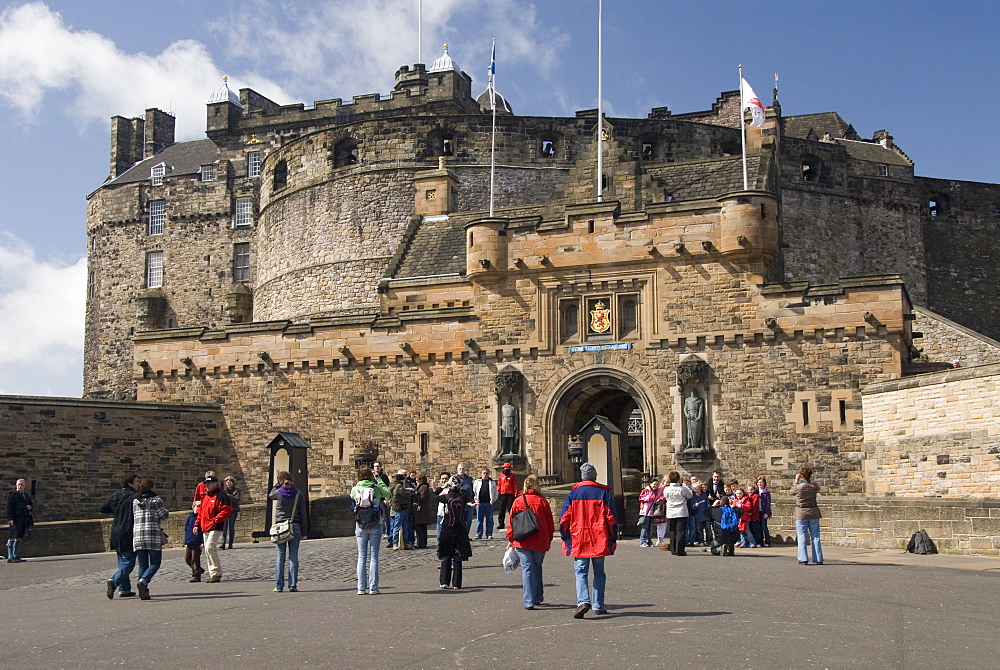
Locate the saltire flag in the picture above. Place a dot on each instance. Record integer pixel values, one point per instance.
(751, 101)
(492, 73)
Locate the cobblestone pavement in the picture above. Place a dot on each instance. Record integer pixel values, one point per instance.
(328, 560)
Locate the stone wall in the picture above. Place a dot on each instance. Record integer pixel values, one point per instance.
(944, 341)
(73, 453)
(936, 434)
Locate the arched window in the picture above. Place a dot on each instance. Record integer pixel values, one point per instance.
(569, 320)
(628, 308)
(280, 175)
(442, 142)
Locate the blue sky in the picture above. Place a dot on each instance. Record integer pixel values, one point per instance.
(925, 71)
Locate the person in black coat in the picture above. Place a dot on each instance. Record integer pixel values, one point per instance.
(119, 505)
(453, 542)
(18, 519)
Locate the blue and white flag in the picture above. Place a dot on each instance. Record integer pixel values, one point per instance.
(492, 73)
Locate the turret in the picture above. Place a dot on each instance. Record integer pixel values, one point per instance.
(486, 248)
(748, 225)
(224, 109)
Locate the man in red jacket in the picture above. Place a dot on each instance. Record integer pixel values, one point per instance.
(589, 529)
(506, 492)
(212, 514)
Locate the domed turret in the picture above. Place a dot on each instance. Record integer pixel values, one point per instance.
(503, 107)
(224, 94)
(444, 63)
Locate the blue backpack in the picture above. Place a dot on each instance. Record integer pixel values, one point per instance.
(729, 519)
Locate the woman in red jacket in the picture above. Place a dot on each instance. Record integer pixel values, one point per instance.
(531, 550)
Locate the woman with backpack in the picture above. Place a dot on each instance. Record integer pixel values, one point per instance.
(725, 526)
(453, 543)
(367, 496)
(531, 550)
(291, 507)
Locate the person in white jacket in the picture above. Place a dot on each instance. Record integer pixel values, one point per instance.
(484, 491)
(676, 495)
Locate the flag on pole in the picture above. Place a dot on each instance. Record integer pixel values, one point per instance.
(751, 101)
(492, 73)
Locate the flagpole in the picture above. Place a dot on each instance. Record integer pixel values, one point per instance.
(493, 134)
(420, 31)
(600, 105)
(743, 131)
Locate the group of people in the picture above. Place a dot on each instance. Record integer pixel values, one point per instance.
(588, 527)
(714, 513)
(695, 514)
(137, 534)
(404, 506)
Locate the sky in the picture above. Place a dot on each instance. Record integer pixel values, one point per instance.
(924, 71)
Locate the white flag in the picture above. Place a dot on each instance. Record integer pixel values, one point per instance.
(751, 100)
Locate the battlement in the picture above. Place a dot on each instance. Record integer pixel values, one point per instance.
(447, 91)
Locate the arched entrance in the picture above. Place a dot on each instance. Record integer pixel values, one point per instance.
(613, 394)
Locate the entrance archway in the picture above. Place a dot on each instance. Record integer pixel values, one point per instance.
(611, 393)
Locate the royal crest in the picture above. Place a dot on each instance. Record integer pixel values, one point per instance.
(600, 318)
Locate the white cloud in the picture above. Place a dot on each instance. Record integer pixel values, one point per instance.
(39, 53)
(349, 48)
(41, 332)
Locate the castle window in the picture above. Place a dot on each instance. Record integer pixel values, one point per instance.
(156, 174)
(92, 284)
(569, 320)
(253, 164)
(241, 262)
(883, 170)
(936, 205)
(648, 151)
(207, 172)
(243, 213)
(154, 269)
(425, 444)
(547, 149)
(157, 217)
(628, 316)
(810, 169)
(280, 175)
(345, 152)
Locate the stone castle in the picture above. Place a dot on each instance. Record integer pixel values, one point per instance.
(335, 271)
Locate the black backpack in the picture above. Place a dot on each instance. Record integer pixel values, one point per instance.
(921, 543)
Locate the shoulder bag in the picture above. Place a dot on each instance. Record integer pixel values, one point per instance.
(282, 531)
(523, 523)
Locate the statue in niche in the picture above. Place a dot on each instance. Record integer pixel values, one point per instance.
(694, 422)
(509, 428)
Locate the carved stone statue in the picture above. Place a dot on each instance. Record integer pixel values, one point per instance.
(509, 428)
(694, 421)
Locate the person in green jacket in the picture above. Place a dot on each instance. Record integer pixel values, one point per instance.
(367, 495)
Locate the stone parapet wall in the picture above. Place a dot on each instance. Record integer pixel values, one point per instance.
(74, 452)
(945, 341)
(934, 434)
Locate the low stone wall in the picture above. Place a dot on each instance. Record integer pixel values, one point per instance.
(934, 434)
(956, 526)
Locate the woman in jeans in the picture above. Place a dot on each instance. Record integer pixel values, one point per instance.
(531, 550)
(148, 511)
(807, 516)
(292, 507)
(648, 498)
(229, 532)
(372, 491)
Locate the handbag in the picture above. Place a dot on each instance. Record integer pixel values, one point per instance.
(282, 531)
(523, 523)
(660, 509)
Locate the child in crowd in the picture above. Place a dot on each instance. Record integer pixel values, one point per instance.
(744, 503)
(724, 526)
(193, 545)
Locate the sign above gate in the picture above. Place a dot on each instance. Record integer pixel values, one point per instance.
(600, 347)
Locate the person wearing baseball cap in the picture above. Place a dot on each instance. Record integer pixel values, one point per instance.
(506, 492)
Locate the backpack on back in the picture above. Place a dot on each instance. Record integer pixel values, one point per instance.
(366, 513)
(729, 519)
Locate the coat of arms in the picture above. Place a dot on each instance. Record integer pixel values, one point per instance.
(600, 318)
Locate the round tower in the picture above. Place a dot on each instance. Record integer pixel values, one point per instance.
(485, 248)
(748, 225)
